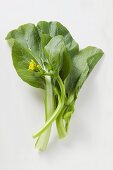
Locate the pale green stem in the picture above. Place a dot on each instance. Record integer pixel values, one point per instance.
(56, 112)
(61, 128)
(43, 139)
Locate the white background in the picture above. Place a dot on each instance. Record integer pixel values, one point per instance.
(89, 145)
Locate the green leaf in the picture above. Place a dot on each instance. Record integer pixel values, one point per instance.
(56, 28)
(43, 27)
(21, 59)
(66, 67)
(45, 38)
(82, 65)
(28, 37)
(57, 55)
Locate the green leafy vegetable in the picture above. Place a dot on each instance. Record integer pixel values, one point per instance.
(46, 56)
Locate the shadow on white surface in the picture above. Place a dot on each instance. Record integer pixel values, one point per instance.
(37, 94)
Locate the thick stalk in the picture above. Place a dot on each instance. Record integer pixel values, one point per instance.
(67, 115)
(61, 128)
(60, 124)
(59, 121)
(43, 139)
(56, 112)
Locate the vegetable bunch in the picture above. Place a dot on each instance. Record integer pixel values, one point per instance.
(46, 56)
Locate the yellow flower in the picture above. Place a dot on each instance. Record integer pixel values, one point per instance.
(32, 65)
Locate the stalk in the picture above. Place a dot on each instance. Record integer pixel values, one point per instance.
(60, 124)
(56, 112)
(43, 139)
(61, 127)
